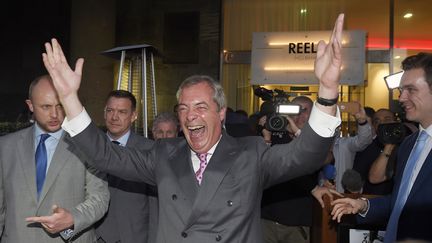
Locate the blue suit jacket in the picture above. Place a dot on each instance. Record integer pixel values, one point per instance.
(414, 221)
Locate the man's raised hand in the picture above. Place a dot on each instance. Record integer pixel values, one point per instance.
(329, 61)
(66, 81)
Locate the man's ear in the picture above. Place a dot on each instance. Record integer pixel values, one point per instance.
(222, 114)
(30, 105)
(134, 116)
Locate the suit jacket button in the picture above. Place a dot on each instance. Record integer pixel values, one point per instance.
(229, 203)
(184, 234)
(218, 238)
(174, 197)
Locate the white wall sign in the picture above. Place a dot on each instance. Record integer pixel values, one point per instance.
(288, 57)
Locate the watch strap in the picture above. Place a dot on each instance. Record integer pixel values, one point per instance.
(327, 102)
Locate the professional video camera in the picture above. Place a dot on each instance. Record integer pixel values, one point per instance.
(276, 104)
(391, 133)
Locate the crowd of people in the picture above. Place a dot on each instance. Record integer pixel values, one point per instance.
(210, 173)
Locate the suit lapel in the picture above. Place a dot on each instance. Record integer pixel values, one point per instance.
(219, 164)
(423, 175)
(59, 159)
(181, 164)
(114, 181)
(26, 153)
(131, 140)
(402, 158)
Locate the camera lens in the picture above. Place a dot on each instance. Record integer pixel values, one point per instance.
(276, 123)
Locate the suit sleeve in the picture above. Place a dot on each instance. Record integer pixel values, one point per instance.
(2, 196)
(302, 156)
(124, 162)
(96, 201)
(362, 140)
(379, 211)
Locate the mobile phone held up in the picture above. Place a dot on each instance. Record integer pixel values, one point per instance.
(350, 107)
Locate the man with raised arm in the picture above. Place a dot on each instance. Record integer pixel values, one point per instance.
(209, 184)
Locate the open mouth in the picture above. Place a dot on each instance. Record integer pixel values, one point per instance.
(407, 107)
(195, 131)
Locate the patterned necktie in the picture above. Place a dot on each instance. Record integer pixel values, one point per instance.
(203, 165)
(41, 163)
(404, 189)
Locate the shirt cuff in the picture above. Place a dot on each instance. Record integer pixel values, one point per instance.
(367, 208)
(77, 124)
(322, 123)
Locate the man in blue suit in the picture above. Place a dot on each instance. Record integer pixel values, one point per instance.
(408, 209)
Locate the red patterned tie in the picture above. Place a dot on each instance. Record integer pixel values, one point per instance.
(203, 165)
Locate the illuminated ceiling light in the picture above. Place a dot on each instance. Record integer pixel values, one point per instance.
(278, 43)
(288, 43)
(290, 69)
(408, 15)
(303, 11)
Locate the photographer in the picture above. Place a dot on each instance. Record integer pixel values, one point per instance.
(391, 135)
(377, 150)
(283, 127)
(272, 124)
(273, 137)
(286, 208)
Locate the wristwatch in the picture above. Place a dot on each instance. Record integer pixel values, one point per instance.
(365, 210)
(327, 102)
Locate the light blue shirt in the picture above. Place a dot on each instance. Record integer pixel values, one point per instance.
(50, 143)
(122, 140)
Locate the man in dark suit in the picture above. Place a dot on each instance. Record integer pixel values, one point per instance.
(408, 208)
(127, 219)
(209, 184)
(43, 178)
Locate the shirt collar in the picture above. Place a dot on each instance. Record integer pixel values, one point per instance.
(38, 131)
(428, 130)
(123, 139)
(211, 150)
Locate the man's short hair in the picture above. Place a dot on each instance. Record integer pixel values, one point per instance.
(370, 112)
(122, 94)
(385, 110)
(35, 82)
(165, 117)
(352, 181)
(422, 60)
(218, 93)
(303, 99)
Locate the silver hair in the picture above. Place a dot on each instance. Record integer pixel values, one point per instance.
(218, 93)
(165, 117)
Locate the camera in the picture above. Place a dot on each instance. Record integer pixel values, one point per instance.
(391, 133)
(276, 104)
